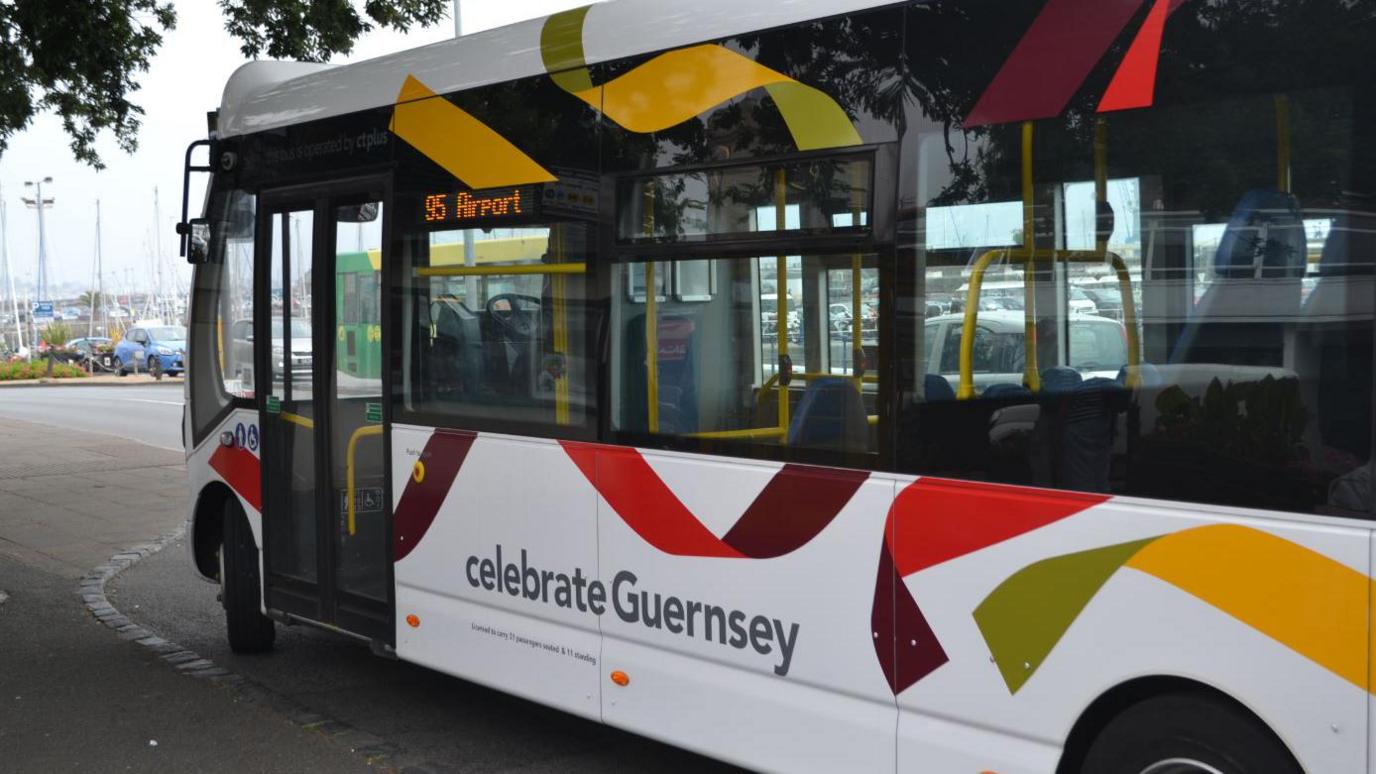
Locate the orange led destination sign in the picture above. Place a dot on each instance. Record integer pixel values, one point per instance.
(463, 206)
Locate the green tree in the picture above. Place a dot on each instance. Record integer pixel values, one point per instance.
(81, 60)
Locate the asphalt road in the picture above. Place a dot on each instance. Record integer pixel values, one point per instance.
(149, 414)
(435, 721)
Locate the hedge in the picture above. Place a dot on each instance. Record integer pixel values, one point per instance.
(38, 369)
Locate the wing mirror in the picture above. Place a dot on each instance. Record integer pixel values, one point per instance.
(197, 233)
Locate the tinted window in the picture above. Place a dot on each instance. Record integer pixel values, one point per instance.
(490, 348)
(785, 356)
(1203, 312)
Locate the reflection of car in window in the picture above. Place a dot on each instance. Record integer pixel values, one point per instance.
(1097, 346)
(242, 333)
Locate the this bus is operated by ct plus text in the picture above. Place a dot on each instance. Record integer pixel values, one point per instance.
(958, 386)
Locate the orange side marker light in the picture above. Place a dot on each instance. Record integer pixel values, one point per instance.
(418, 472)
(413, 621)
(621, 678)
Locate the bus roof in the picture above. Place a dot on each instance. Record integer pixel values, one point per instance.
(268, 95)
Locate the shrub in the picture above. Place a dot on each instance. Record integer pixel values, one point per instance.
(21, 370)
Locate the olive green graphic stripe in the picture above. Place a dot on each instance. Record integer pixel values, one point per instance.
(1024, 618)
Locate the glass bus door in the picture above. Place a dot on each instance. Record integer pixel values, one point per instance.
(326, 529)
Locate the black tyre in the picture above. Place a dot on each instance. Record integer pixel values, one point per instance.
(249, 630)
(1188, 733)
(119, 368)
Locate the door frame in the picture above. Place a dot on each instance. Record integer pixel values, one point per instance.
(322, 602)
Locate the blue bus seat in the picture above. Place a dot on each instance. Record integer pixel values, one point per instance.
(831, 415)
(1255, 291)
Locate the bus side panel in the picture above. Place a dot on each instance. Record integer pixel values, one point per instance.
(237, 466)
(741, 604)
(1042, 613)
(478, 587)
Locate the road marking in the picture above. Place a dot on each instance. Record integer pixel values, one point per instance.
(150, 400)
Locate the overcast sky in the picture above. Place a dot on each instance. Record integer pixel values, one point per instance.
(184, 81)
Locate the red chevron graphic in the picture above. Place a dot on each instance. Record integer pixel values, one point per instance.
(443, 455)
(1058, 52)
(1134, 85)
(241, 471)
(934, 521)
(792, 509)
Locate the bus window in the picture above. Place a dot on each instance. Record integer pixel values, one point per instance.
(1188, 320)
(500, 326)
(222, 313)
(822, 196)
(784, 354)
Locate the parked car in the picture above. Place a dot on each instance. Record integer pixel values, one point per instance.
(82, 349)
(152, 348)
(242, 334)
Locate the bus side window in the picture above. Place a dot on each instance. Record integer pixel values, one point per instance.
(496, 347)
(785, 354)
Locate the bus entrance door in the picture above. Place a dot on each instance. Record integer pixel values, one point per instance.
(326, 530)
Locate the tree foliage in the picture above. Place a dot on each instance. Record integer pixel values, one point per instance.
(315, 30)
(81, 60)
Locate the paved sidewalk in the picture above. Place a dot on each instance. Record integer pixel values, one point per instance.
(73, 694)
(69, 500)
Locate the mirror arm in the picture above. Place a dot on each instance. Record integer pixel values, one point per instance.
(183, 226)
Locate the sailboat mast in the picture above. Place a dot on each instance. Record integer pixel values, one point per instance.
(97, 297)
(5, 255)
(157, 255)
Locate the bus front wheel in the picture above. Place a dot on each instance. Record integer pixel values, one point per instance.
(240, 585)
(1187, 734)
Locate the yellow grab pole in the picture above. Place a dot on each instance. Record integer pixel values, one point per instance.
(558, 288)
(1031, 375)
(1134, 370)
(781, 293)
(966, 388)
(297, 419)
(502, 271)
(349, 468)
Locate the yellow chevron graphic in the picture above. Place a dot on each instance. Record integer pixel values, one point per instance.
(1314, 605)
(464, 146)
(678, 85)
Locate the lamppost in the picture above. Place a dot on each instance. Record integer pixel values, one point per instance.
(39, 203)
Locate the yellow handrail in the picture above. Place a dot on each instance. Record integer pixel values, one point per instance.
(365, 430)
(502, 271)
(966, 388)
(1031, 374)
(297, 419)
(558, 289)
(781, 293)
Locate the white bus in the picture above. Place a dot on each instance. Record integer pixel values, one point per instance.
(540, 424)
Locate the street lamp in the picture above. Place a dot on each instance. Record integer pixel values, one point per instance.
(39, 203)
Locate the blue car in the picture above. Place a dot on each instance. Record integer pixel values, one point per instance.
(152, 348)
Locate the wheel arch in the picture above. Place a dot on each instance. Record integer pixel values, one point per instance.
(207, 528)
(1114, 701)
